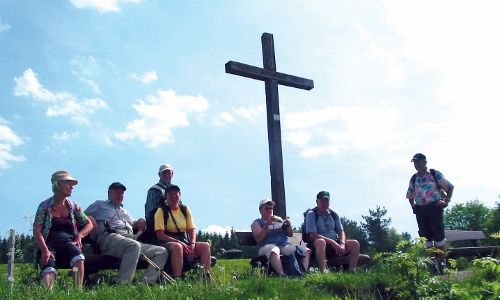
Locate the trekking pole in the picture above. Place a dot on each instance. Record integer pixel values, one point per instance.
(163, 273)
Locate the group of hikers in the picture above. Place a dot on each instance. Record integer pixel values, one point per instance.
(166, 237)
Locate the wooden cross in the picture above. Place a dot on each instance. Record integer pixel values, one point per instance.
(272, 78)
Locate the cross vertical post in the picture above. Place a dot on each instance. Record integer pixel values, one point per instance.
(272, 79)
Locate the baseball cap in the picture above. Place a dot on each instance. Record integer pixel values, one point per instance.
(173, 187)
(265, 201)
(323, 194)
(117, 185)
(419, 156)
(164, 167)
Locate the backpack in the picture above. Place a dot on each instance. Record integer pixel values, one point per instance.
(292, 265)
(433, 173)
(149, 236)
(305, 236)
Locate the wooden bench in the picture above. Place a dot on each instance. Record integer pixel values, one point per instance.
(245, 238)
(95, 261)
(476, 251)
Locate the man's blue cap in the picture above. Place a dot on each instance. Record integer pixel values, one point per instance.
(117, 185)
(323, 194)
(419, 156)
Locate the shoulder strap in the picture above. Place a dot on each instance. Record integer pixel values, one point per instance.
(334, 215)
(433, 173)
(183, 210)
(167, 211)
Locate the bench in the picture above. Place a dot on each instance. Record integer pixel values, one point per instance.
(95, 262)
(245, 238)
(475, 251)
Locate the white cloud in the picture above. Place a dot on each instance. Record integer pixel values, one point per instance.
(146, 78)
(59, 103)
(63, 136)
(217, 229)
(223, 118)
(4, 26)
(248, 113)
(463, 50)
(86, 67)
(335, 128)
(101, 6)
(8, 139)
(159, 115)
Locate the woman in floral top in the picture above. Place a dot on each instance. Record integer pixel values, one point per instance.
(60, 224)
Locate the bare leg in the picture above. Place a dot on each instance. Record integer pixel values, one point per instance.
(320, 252)
(49, 279)
(176, 258)
(352, 247)
(275, 261)
(202, 251)
(79, 273)
(305, 260)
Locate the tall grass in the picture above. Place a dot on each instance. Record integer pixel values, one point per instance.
(399, 275)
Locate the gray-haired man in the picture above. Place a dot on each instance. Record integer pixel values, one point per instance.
(115, 237)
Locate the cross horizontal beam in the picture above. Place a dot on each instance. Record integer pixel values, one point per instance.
(245, 70)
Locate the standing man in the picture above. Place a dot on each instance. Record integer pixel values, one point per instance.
(115, 236)
(429, 193)
(327, 235)
(156, 193)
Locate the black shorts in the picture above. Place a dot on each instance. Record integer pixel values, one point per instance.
(430, 221)
(65, 254)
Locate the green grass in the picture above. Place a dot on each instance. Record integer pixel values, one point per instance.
(234, 279)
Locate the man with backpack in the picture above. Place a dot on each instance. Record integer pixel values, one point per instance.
(429, 193)
(325, 235)
(156, 193)
(175, 230)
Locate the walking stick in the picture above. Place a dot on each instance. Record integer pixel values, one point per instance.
(163, 273)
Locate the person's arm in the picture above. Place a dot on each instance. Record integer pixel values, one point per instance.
(191, 235)
(312, 230)
(288, 226)
(151, 201)
(258, 231)
(83, 232)
(40, 242)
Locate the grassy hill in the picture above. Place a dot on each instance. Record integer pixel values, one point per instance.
(394, 276)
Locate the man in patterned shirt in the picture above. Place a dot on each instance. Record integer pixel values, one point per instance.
(429, 193)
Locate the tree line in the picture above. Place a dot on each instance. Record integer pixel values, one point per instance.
(374, 233)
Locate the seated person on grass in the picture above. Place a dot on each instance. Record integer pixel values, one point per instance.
(115, 237)
(175, 230)
(271, 234)
(60, 224)
(327, 235)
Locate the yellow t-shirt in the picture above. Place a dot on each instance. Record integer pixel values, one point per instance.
(184, 223)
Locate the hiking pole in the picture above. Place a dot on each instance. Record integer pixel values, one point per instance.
(163, 273)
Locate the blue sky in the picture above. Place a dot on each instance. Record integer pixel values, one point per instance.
(111, 89)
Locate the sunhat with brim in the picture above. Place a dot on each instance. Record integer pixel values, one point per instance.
(62, 175)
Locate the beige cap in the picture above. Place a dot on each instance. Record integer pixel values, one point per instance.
(164, 167)
(62, 175)
(265, 201)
